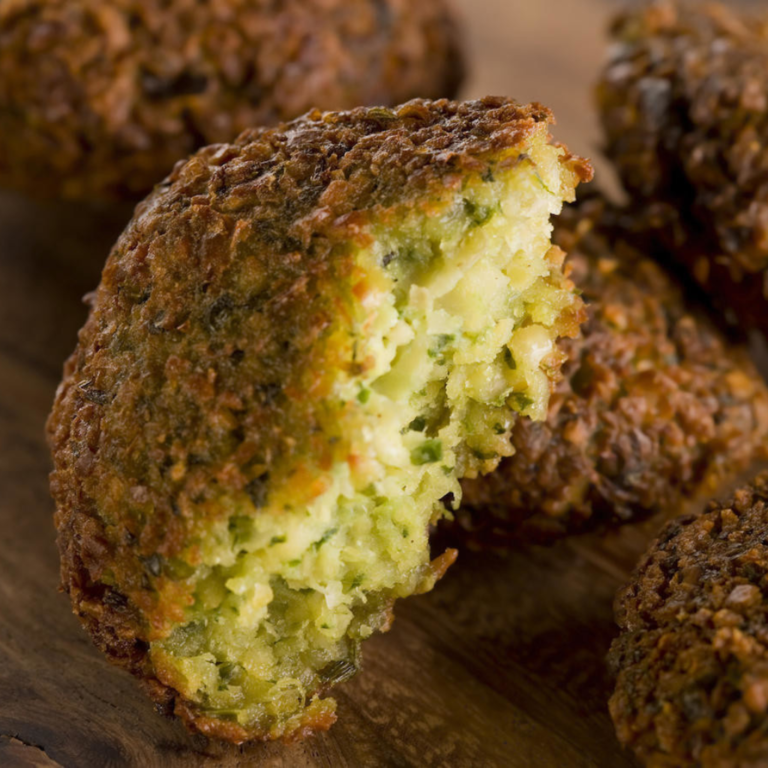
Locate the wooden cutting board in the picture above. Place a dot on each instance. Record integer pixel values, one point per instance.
(502, 665)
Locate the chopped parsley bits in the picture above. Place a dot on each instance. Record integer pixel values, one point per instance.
(476, 213)
(520, 401)
(427, 453)
(419, 424)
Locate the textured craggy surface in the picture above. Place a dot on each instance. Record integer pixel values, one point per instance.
(656, 404)
(501, 665)
(200, 377)
(684, 109)
(692, 659)
(99, 98)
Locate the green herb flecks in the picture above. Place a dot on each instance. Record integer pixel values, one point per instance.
(325, 537)
(419, 424)
(478, 214)
(520, 401)
(428, 452)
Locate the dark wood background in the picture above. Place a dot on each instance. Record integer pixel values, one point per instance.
(502, 665)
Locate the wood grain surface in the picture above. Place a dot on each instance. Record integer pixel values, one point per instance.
(502, 665)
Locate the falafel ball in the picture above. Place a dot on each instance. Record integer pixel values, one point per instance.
(692, 658)
(99, 98)
(684, 105)
(298, 346)
(655, 405)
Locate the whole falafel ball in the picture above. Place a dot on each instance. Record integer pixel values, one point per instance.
(655, 405)
(684, 106)
(99, 98)
(298, 346)
(692, 657)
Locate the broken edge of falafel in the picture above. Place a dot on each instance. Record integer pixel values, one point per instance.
(299, 345)
(656, 406)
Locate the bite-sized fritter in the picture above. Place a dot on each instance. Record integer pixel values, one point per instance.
(684, 103)
(299, 344)
(692, 658)
(655, 404)
(99, 98)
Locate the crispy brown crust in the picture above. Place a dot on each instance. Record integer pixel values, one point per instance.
(99, 98)
(655, 404)
(692, 659)
(198, 372)
(683, 105)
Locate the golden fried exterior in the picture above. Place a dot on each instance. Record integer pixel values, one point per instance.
(199, 371)
(692, 658)
(685, 112)
(99, 98)
(655, 403)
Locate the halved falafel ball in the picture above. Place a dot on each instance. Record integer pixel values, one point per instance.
(692, 658)
(656, 405)
(100, 98)
(299, 345)
(684, 105)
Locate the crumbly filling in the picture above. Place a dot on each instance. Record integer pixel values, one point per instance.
(454, 331)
